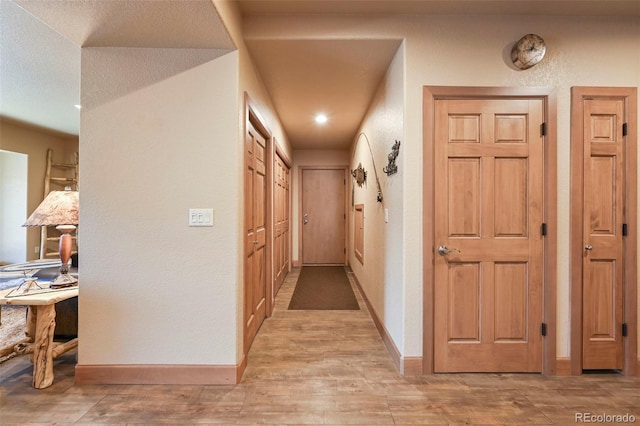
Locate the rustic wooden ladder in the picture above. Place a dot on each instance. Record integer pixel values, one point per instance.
(57, 176)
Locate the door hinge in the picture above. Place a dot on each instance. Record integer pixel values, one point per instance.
(543, 230)
(624, 329)
(624, 129)
(345, 250)
(543, 129)
(543, 329)
(625, 230)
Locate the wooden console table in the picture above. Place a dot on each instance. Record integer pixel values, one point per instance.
(41, 323)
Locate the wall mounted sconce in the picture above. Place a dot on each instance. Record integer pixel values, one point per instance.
(379, 198)
(391, 167)
(359, 174)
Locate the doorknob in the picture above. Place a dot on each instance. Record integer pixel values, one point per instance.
(305, 221)
(444, 250)
(588, 247)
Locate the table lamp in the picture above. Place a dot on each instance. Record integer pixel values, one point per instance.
(59, 209)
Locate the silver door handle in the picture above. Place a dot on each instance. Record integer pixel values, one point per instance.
(588, 247)
(305, 221)
(444, 250)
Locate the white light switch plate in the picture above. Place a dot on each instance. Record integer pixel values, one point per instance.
(201, 217)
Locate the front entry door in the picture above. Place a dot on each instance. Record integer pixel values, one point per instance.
(603, 246)
(256, 236)
(488, 292)
(323, 216)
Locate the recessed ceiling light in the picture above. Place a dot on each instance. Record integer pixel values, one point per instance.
(78, 106)
(321, 119)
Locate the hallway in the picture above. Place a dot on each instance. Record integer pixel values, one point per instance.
(319, 367)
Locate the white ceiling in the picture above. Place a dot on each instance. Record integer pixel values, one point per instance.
(39, 72)
(334, 77)
(40, 42)
(339, 77)
(132, 23)
(442, 7)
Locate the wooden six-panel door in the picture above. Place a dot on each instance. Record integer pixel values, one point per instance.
(603, 246)
(255, 232)
(604, 188)
(488, 262)
(281, 210)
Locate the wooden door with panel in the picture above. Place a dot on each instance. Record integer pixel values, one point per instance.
(488, 294)
(323, 216)
(255, 271)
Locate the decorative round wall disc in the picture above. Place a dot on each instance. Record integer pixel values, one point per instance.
(528, 51)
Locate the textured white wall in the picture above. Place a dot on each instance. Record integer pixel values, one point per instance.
(381, 273)
(250, 84)
(474, 51)
(159, 136)
(156, 124)
(467, 51)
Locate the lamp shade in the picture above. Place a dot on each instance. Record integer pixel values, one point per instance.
(58, 208)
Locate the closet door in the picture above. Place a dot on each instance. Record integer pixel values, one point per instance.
(281, 222)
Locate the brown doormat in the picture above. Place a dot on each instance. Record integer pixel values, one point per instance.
(323, 288)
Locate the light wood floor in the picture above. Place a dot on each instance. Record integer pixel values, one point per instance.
(319, 367)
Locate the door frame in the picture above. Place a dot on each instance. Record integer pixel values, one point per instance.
(300, 212)
(253, 115)
(548, 97)
(630, 97)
